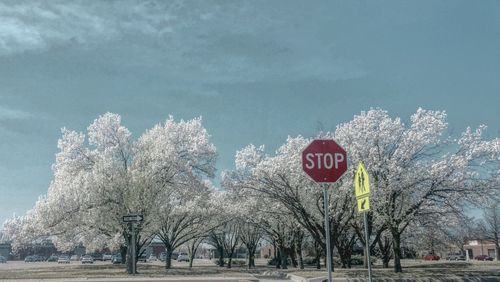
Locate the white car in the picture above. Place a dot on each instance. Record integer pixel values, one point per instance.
(106, 257)
(63, 259)
(183, 257)
(87, 259)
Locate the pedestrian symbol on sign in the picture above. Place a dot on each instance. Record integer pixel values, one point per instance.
(362, 182)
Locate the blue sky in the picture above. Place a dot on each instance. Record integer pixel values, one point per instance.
(257, 71)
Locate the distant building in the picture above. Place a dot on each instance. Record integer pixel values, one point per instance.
(5, 250)
(480, 247)
(267, 251)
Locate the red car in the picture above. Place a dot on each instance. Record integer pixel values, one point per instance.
(483, 258)
(431, 257)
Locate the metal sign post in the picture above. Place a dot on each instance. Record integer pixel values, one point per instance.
(132, 220)
(325, 162)
(134, 245)
(367, 242)
(327, 231)
(362, 192)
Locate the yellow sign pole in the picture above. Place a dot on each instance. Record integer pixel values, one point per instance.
(362, 192)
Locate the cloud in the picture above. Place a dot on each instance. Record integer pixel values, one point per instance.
(11, 114)
(214, 42)
(34, 26)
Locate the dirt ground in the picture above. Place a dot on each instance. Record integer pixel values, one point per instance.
(412, 269)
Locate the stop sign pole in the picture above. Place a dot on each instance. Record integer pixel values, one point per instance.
(325, 162)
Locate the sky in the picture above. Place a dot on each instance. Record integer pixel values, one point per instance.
(256, 71)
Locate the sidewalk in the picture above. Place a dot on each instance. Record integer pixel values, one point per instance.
(141, 279)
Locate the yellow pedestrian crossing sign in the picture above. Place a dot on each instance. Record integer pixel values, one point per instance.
(363, 204)
(361, 182)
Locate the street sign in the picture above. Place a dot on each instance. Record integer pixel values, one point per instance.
(361, 182)
(362, 192)
(133, 218)
(324, 161)
(363, 204)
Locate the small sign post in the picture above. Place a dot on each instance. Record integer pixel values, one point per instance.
(325, 162)
(132, 220)
(362, 192)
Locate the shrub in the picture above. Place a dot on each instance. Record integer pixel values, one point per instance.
(238, 262)
(309, 261)
(360, 260)
(274, 261)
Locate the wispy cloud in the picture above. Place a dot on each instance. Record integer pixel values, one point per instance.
(212, 41)
(31, 26)
(12, 114)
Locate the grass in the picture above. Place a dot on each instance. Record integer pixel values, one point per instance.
(411, 269)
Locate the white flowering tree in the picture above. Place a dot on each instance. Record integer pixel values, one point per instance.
(174, 159)
(279, 180)
(99, 179)
(418, 171)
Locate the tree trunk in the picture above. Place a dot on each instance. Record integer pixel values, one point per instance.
(123, 253)
(277, 258)
(301, 259)
(283, 257)
(396, 237)
(193, 248)
(251, 256)
(221, 256)
(191, 258)
(317, 250)
(293, 257)
(130, 266)
(385, 250)
(168, 258)
(229, 261)
(497, 247)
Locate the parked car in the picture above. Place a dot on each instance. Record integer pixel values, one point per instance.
(183, 257)
(63, 259)
(38, 258)
(431, 257)
(29, 259)
(455, 256)
(97, 257)
(53, 258)
(116, 259)
(142, 258)
(106, 257)
(163, 257)
(152, 258)
(74, 258)
(175, 255)
(483, 258)
(87, 259)
(3, 259)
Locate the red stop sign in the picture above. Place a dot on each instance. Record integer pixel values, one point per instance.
(324, 161)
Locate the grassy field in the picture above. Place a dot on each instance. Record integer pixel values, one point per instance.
(412, 269)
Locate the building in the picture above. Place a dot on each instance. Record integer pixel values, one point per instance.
(5, 250)
(480, 247)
